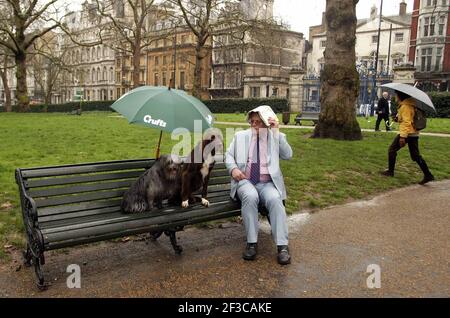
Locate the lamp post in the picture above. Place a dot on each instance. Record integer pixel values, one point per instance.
(374, 86)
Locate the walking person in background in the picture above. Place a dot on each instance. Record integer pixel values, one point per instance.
(408, 135)
(383, 112)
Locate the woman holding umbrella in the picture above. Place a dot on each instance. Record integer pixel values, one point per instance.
(408, 135)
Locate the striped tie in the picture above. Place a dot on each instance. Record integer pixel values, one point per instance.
(255, 168)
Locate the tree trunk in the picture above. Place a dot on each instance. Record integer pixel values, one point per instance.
(21, 76)
(136, 63)
(8, 106)
(339, 79)
(199, 56)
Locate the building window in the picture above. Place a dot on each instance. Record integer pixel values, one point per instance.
(182, 80)
(438, 65)
(428, 28)
(323, 44)
(164, 60)
(183, 39)
(164, 80)
(156, 79)
(441, 25)
(156, 60)
(398, 37)
(374, 38)
(255, 92)
(427, 55)
(275, 91)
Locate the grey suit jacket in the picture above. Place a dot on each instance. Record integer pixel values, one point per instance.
(238, 151)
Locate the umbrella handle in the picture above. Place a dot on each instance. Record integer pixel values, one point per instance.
(159, 144)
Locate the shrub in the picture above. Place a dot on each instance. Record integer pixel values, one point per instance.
(441, 101)
(215, 105)
(278, 105)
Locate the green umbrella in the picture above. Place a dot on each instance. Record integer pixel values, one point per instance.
(164, 109)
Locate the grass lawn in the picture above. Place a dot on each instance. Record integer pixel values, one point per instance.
(322, 172)
(434, 125)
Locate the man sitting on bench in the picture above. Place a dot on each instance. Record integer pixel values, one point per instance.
(256, 177)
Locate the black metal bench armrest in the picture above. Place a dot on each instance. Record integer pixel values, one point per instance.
(29, 208)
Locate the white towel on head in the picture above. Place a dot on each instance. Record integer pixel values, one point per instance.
(265, 112)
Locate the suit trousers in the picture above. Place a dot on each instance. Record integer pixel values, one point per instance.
(382, 117)
(268, 195)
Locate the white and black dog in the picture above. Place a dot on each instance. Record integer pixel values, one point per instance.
(160, 182)
(197, 168)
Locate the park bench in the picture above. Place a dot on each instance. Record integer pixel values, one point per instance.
(313, 116)
(71, 205)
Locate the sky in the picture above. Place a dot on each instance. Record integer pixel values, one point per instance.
(301, 14)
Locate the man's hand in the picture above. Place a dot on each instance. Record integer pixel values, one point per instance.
(273, 123)
(402, 142)
(238, 175)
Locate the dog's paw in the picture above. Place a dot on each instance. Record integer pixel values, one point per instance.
(185, 204)
(205, 202)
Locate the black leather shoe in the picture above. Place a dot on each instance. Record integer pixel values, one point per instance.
(387, 173)
(283, 255)
(250, 252)
(426, 179)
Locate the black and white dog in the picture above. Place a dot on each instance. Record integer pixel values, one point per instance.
(197, 168)
(160, 182)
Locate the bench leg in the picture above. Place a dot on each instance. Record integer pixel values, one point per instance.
(173, 240)
(38, 261)
(155, 235)
(27, 256)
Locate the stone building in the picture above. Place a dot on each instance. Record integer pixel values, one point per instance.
(254, 60)
(393, 49)
(172, 57)
(91, 68)
(429, 46)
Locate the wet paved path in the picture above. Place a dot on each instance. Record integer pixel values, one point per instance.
(405, 232)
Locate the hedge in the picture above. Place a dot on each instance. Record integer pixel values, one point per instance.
(215, 105)
(441, 101)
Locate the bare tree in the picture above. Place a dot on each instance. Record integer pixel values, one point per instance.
(23, 22)
(6, 64)
(339, 80)
(48, 62)
(201, 16)
(131, 25)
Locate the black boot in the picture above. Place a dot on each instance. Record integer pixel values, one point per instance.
(427, 176)
(283, 255)
(250, 251)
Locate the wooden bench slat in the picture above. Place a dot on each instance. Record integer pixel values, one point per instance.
(84, 238)
(133, 221)
(172, 213)
(79, 198)
(85, 168)
(78, 207)
(50, 220)
(36, 183)
(219, 173)
(110, 212)
(68, 208)
(80, 188)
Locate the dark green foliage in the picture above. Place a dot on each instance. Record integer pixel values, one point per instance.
(441, 102)
(279, 105)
